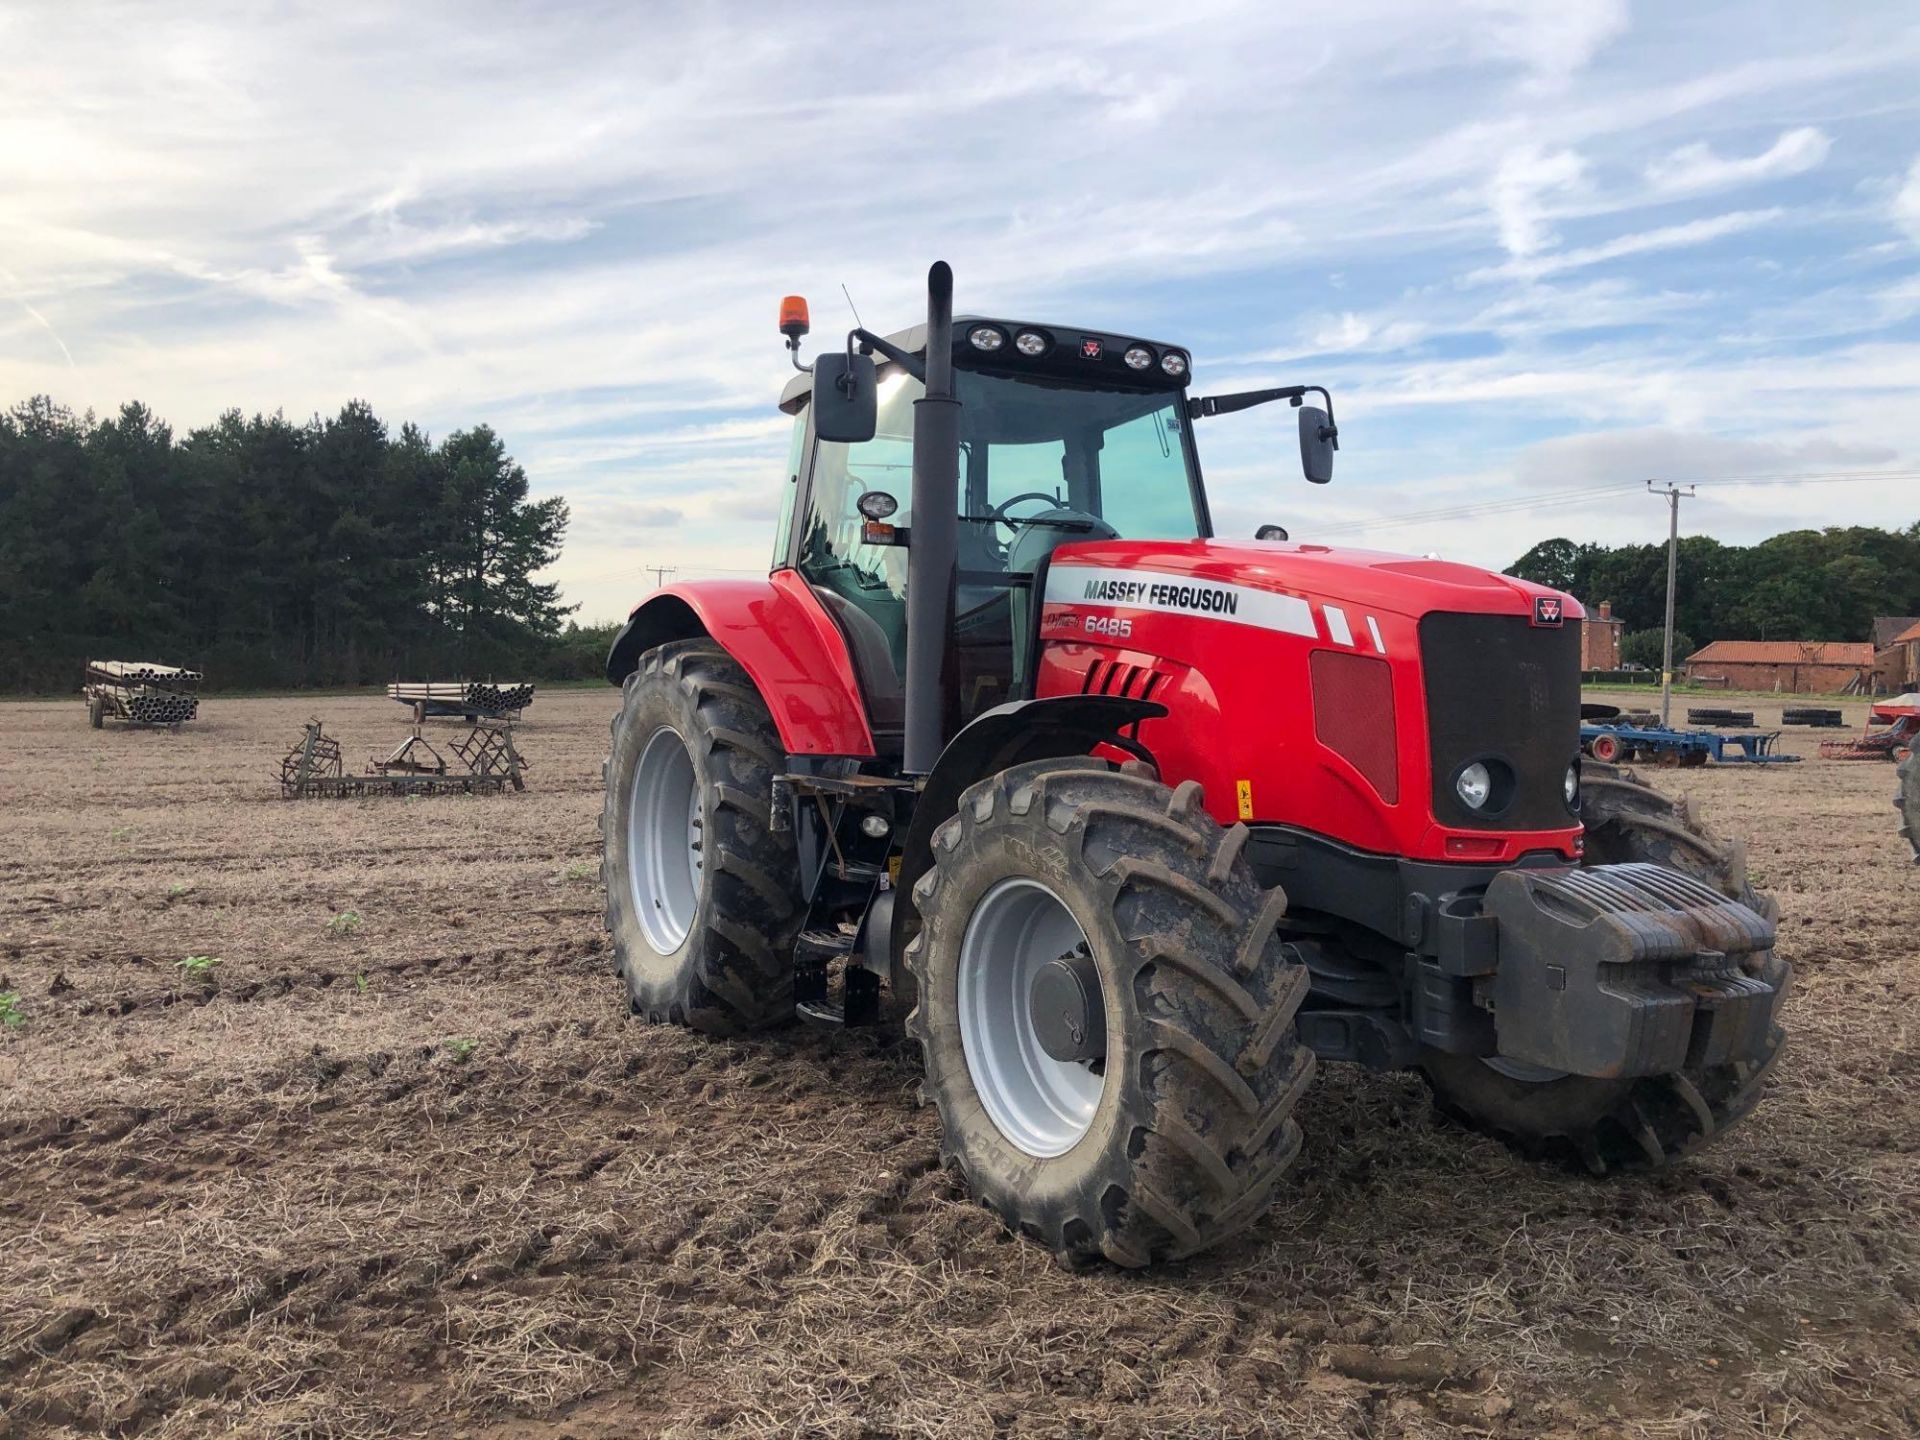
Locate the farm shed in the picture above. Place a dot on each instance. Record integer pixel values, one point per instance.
(1803, 667)
(1896, 657)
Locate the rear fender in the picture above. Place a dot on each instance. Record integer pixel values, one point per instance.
(781, 636)
(1010, 734)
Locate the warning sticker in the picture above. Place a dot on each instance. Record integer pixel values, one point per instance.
(1244, 788)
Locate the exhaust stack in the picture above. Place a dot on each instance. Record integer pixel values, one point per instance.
(935, 530)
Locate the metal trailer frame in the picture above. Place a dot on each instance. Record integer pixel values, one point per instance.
(1690, 747)
(312, 769)
(133, 690)
(468, 700)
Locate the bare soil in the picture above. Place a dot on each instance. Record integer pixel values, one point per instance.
(419, 1173)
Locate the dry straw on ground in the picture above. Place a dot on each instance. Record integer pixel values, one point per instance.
(425, 1177)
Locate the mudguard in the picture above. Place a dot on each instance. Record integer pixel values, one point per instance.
(782, 636)
(1009, 734)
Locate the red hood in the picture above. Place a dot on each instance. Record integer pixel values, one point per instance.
(1402, 584)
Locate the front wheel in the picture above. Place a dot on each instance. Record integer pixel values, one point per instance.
(703, 895)
(1106, 1014)
(1637, 1124)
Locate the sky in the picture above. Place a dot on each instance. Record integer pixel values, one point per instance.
(1540, 253)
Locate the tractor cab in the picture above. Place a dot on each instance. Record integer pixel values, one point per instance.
(1064, 435)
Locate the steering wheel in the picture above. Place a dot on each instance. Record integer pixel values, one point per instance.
(1000, 516)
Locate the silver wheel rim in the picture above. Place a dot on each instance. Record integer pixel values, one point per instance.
(1524, 1071)
(664, 860)
(1041, 1105)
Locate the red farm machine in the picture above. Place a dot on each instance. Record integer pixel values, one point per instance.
(1139, 824)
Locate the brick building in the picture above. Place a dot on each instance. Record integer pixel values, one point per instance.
(1600, 639)
(1896, 665)
(1896, 652)
(1800, 667)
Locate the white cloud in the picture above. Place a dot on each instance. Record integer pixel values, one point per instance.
(1526, 178)
(1640, 453)
(1906, 203)
(1666, 237)
(1695, 168)
(1353, 332)
(1553, 38)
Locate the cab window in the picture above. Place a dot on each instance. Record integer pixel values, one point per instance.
(864, 586)
(790, 491)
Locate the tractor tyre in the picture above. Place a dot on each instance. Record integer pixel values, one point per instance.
(1651, 1121)
(1907, 800)
(1172, 1133)
(703, 895)
(97, 713)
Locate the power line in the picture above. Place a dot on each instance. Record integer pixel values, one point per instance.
(1521, 504)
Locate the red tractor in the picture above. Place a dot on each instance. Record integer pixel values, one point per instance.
(1141, 823)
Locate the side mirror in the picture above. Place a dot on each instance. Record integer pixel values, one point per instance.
(843, 397)
(1271, 532)
(1318, 441)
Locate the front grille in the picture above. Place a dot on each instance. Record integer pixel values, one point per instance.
(1501, 688)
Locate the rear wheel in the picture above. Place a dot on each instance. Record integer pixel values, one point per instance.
(703, 895)
(97, 713)
(1105, 1013)
(1641, 1123)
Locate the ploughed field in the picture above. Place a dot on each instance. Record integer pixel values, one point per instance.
(400, 1162)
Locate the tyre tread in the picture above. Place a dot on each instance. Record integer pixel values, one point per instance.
(744, 979)
(1219, 1066)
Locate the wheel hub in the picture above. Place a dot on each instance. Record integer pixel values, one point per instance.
(1069, 1016)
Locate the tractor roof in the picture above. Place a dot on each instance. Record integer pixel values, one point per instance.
(1073, 355)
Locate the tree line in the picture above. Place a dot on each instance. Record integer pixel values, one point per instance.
(273, 554)
(1802, 585)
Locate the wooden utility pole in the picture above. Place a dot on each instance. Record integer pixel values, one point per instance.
(1673, 494)
(660, 573)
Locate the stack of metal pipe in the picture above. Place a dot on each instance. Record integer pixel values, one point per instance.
(463, 697)
(143, 672)
(147, 707)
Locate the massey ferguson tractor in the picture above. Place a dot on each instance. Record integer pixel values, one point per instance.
(1138, 824)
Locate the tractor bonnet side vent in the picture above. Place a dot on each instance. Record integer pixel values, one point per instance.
(1113, 677)
(1353, 715)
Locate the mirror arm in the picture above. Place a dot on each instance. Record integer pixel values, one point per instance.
(1202, 405)
(870, 342)
(793, 354)
(1333, 428)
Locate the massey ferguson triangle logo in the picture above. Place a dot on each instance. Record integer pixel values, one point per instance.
(1090, 348)
(1547, 610)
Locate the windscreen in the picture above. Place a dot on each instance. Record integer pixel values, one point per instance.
(1040, 464)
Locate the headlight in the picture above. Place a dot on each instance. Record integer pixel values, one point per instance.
(985, 337)
(1174, 363)
(1474, 786)
(1139, 357)
(1570, 786)
(1030, 342)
